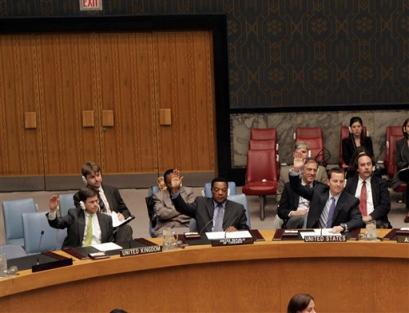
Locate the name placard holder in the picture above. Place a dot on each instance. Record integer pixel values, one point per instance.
(140, 250)
(341, 238)
(232, 242)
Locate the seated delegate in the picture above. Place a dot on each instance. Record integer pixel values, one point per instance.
(86, 225)
(212, 214)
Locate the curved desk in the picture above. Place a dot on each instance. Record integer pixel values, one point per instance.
(343, 277)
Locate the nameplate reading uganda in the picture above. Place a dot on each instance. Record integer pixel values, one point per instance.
(141, 250)
(232, 242)
(341, 238)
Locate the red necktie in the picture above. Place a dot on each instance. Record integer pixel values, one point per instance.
(362, 199)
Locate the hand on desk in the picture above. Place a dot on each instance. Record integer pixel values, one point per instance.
(230, 229)
(337, 229)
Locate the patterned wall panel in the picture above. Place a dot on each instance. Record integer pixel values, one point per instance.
(290, 52)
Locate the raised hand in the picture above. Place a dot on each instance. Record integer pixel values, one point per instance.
(53, 203)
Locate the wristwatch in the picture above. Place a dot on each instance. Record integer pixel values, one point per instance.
(344, 226)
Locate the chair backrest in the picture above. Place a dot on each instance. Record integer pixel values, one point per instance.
(242, 199)
(263, 134)
(35, 241)
(262, 144)
(314, 138)
(12, 251)
(207, 190)
(393, 134)
(152, 189)
(261, 164)
(13, 221)
(66, 203)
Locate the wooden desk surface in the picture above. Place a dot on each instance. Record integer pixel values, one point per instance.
(356, 276)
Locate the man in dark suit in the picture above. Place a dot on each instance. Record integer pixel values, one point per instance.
(293, 209)
(212, 214)
(85, 224)
(330, 205)
(371, 190)
(110, 200)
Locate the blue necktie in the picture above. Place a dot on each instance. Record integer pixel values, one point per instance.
(218, 221)
(331, 213)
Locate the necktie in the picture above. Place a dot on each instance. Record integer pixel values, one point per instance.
(219, 214)
(331, 213)
(101, 202)
(362, 199)
(88, 234)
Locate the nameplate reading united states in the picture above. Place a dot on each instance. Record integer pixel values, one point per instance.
(341, 238)
(141, 250)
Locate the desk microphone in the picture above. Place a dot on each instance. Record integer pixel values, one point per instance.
(39, 246)
(204, 227)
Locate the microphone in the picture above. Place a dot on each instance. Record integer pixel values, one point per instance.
(39, 246)
(204, 227)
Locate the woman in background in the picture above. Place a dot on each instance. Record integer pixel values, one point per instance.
(355, 143)
(301, 303)
(402, 161)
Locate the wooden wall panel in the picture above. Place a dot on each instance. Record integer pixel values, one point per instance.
(69, 87)
(21, 149)
(126, 71)
(185, 84)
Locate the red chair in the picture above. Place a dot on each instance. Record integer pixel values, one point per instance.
(314, 138)
(393, 134)
(263, 134)
(261, 175)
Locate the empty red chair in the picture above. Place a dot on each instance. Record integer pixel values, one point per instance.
(263, 134)
(393, 134)
(314, 138)
(262, 144)
(261, 175)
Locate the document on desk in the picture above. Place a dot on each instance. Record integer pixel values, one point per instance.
(116, 222)
(107, 246)
(319, 232)
(217, 235)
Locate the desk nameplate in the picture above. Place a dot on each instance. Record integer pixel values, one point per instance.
(341, 238)
(232, 242)
(140, 250)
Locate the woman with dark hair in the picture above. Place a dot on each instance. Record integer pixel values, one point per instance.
(355, 143)
(402, 161)
(301, 303)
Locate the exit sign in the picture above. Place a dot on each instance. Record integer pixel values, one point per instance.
(90, 5)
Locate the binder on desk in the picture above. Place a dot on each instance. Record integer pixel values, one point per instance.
(395, 232)
(42, 261)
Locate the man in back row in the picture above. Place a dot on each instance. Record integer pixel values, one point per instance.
(330, 205)
(293, 209)
(212, 214)
(165, 213)
(109, 199)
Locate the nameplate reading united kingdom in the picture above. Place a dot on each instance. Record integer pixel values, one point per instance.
(141, 250)
(232, 242)
(341, 238)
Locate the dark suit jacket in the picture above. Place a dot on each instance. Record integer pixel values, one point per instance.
(202, 210)
(74, 221)
(346, 211)
(402, 154)
(349, 149)
(116, 203)
(380, 198)
(289, 202)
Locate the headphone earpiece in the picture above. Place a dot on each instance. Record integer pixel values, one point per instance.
(82, 204)
(84, 180)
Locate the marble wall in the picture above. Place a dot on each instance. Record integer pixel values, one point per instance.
(285, 123)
